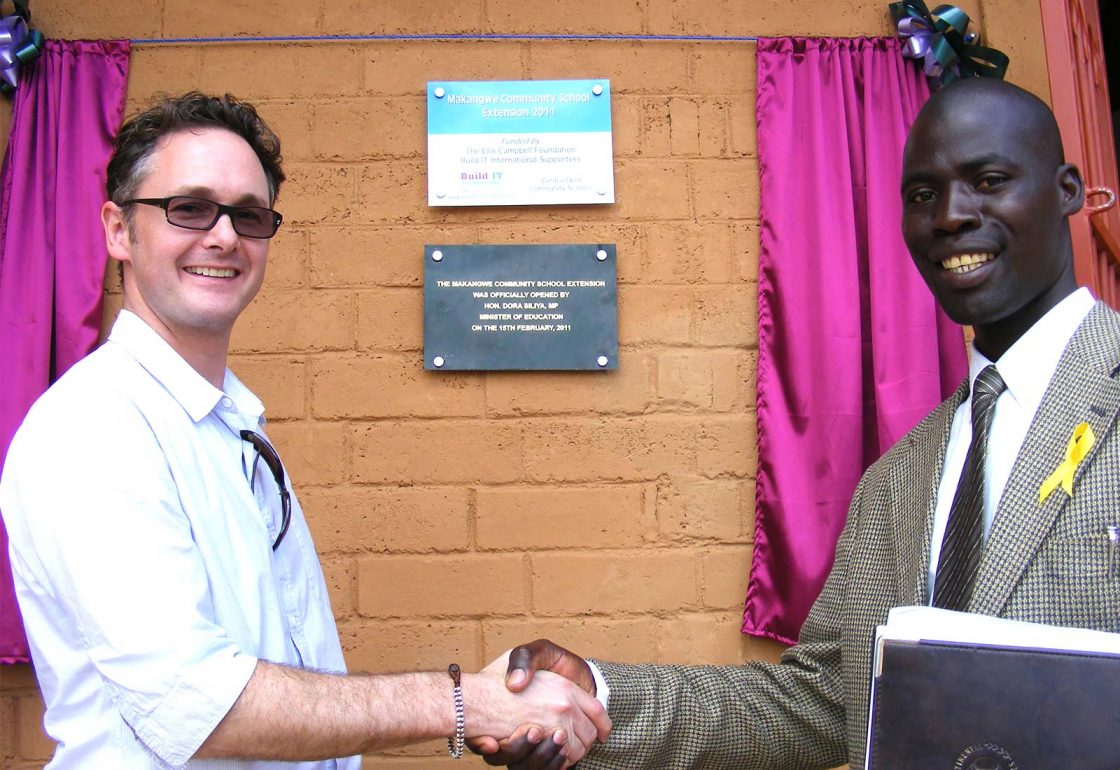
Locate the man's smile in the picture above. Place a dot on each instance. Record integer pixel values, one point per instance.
(212, 272)
(966, 263)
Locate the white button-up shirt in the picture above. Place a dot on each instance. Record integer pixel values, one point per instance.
(1027, 368)
(143, 558)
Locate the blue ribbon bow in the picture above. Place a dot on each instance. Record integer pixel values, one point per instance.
(19, 45)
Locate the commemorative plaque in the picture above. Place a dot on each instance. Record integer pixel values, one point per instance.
(519, 143)
(537, 307)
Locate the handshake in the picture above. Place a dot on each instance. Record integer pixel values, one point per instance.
(551, 715)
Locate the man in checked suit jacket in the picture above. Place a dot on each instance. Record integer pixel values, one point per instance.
(986, 199)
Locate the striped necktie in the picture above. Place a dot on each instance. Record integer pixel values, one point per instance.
(963, 542)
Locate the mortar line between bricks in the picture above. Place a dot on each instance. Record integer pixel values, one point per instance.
(441, 37)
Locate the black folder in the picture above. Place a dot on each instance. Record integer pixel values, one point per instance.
(946, 705)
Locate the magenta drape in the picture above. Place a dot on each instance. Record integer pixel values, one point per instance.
(52, 248)
(853, 351)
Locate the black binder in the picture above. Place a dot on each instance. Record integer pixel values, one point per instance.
(965, 706)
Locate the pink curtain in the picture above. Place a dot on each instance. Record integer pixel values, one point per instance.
(853, 351)
(67, 109)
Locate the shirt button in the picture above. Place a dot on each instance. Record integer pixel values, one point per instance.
(227, 402)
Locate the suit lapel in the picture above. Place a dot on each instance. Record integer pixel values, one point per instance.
(1084, 389)
(914, 489)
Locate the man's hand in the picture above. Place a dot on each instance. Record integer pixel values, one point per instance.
(529, 658)
(531, 748)
(575, 718)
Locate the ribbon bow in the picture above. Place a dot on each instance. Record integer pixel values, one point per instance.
(941, 40)
(19, 45)
(1079, 445)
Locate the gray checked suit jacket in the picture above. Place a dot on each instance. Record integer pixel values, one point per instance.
(1047, 563)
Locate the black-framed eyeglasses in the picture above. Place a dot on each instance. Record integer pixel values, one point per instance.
(266, 452)
(202, 214)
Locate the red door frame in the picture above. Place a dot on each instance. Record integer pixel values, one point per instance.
(1079, 96)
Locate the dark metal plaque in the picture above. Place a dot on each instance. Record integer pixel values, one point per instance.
(520, 307)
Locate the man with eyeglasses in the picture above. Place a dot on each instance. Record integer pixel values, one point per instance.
(173, 600)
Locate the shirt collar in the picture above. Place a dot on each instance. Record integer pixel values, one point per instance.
(1029, 364)
(193, 392)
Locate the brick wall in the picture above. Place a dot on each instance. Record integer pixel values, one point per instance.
(457, 514)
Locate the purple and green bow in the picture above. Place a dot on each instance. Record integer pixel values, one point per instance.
(941, 40)
(19, 45)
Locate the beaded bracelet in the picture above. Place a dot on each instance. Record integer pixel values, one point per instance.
(455, 745)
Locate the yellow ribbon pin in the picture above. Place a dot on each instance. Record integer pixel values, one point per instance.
(1079, 445)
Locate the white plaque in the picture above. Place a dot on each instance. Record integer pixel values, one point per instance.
(521, 142)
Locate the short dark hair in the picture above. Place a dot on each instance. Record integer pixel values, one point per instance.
(140, 135)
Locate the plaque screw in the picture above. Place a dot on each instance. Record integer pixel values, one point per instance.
(439, 92)
(601, 192)
(440, 195)
(437, 256)
(602, 361)
(438, 361)
(601, 254)
(597, 89)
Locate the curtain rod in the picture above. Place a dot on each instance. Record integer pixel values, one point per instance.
(449, 36)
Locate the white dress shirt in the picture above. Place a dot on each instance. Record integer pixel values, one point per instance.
(1027, 368)
(143, 562)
